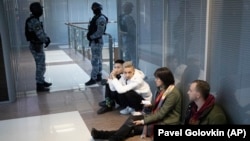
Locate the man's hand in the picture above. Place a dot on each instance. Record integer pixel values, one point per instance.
(113, 74)
(88, 36)
(48, 42)
(138, 122)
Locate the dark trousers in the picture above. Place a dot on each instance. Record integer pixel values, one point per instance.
(133, 99)
(129, 129)
(114, 96)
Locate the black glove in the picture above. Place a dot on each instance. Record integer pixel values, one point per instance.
(47, 43)
(88, 37)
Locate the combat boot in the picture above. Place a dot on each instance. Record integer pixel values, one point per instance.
(101, 134)
(90, 82)
(40, 87)
(46, 84)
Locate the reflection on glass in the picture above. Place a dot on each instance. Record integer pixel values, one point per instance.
(127, 30)
(183, 31)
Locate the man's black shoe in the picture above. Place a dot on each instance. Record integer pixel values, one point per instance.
(40, 88)
(102, 103)
(90, 82)
(104, 110)
(46, 84)
(100, 134)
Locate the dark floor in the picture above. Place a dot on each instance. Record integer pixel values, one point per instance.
(86, 102)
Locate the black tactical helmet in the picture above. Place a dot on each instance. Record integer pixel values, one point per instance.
(36, 9)
(96, 6)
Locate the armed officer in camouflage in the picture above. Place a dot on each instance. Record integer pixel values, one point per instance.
(35, 34)
(96, 29)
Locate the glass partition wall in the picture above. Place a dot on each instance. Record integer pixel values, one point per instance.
(140, 34)
(186, 42)
(169, 33)
(229, 57)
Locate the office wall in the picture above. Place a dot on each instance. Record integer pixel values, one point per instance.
(186, 32)
(229, 70)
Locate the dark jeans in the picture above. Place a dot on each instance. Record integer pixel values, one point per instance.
(133, 99)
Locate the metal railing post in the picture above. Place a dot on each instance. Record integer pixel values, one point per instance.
(75, 40)
(69, 37)
(83, 46)
(110, 51)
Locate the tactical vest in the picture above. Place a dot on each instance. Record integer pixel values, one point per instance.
(92, 28)
(30, 35)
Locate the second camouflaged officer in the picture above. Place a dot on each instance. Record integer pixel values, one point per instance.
(96, 29)
(35, 34)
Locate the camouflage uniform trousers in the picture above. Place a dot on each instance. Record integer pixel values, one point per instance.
(39, 58)
(96, 59)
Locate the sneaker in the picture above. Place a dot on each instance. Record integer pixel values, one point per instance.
(124, 111)
(130, 110)
(90, 82)
(127, 110)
